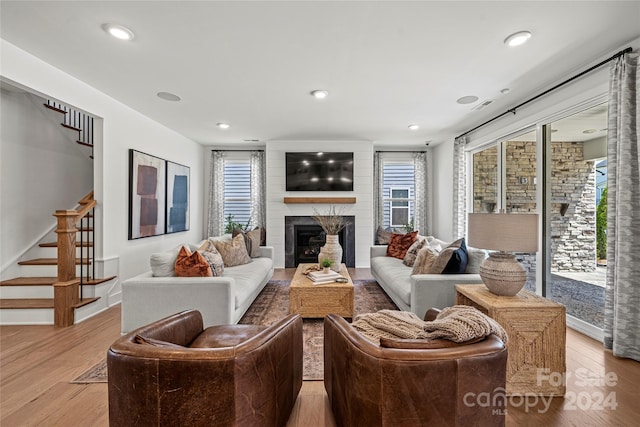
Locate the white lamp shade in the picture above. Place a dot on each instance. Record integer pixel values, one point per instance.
(504, 232)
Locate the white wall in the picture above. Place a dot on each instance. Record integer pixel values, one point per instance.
(43, 170)
(119, 130)
(442, 194)
(362, 191)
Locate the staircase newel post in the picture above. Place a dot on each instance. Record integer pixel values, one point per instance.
(66, 288)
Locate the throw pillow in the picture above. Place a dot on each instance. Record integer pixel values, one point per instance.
(425, 258)
(475, 258)
(234, 252)
(256, 238)
(263, 235)
(452, 259)
(400, 244)
(163, 263)
(192, 264)
(383, 236)
(213, 257)
(139, 339)
(413, 250)
(247, 240)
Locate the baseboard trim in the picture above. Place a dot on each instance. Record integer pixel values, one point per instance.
(585, 328)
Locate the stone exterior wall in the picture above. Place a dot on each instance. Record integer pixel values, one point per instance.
(573, 244)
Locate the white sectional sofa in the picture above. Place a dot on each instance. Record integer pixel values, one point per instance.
(416, 293)
(221, 300)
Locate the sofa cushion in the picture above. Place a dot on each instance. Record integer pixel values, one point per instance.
(213, 257)
(248, 277)
(452, 259)
(139, 339)
(395, 276)
(163, 263)
(255, 236)
(383, 236)
(192, 264)
(424, 260)
(225, 335)
(475, 258)
(413, 250)
(400, 244)
(234, 252)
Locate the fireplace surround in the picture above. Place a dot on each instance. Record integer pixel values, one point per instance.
(304, 237)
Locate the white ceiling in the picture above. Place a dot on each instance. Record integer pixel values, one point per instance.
(386, 64)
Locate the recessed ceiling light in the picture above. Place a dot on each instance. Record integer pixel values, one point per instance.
(223, 125)
(505, 91)
(590, 131)
(467, 99)
(516, 39)
(320, 94)
(118, 31)
(414, 127)
(167, 96)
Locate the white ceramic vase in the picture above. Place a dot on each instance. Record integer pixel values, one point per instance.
(333, 251)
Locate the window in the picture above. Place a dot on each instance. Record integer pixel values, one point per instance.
(399, 200)
(237, 190)
(398, 193)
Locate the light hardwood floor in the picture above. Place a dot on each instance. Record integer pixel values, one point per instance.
(37, 363)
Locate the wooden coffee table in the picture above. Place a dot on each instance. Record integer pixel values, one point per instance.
(309, 300)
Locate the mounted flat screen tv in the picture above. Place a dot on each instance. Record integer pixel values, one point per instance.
(319, 171)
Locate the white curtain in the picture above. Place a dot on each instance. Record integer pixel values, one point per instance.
(622, 300)
(258, 189)
(420, 187)
(378, 201)
(215, 223)
(459, 187)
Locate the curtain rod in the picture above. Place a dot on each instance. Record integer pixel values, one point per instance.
(400, 151)
(248, 149)
(513, 110)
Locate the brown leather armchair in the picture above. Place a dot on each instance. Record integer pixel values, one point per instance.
(413, 382)
(172, 372)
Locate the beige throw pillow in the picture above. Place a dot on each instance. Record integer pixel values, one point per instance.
(233, 253)
(425, 258)
(212, 256)
(412, 252)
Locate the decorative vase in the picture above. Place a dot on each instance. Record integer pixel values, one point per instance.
(502, 274)
(333, 251)
(325, 270)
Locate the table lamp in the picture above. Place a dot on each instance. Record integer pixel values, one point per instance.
(505, 233)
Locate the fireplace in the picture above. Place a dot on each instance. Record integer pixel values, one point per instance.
(304, 238)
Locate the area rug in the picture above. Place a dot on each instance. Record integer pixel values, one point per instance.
(95, 374)
(273, 304)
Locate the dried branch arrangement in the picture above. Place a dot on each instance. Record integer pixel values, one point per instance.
(331, 222)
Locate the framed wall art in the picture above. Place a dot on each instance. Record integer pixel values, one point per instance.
(177, 198)
(147, 191)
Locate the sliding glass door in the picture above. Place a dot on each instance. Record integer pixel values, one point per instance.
(504, 180)
(575, 253)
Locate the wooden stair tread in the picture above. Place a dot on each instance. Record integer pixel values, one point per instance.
(26, 303)
(49, 261)
(86, 144)
(30, 281)
(38, 303)
(55, 244)
(98, 281)
(51, 107)
(86, 301)
(70, 127)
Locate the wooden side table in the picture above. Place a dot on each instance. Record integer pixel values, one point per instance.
(309, 300)
(537, 334)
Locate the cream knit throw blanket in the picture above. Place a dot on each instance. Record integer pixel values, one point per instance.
(459, 323)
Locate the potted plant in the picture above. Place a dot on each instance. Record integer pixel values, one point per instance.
(326, 264)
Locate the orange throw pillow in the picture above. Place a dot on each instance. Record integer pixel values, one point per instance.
(399, 244)
(192, 264)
